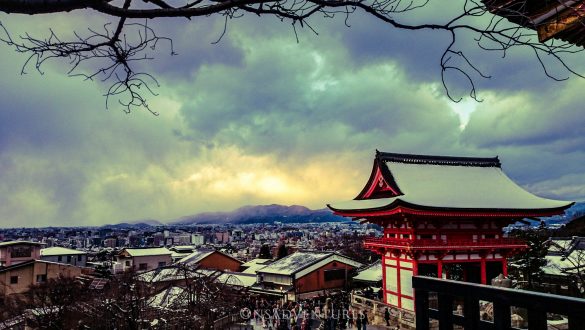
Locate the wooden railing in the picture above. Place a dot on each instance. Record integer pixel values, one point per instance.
(377, 308)
(422, 244)
(227, 321)
(537, 306)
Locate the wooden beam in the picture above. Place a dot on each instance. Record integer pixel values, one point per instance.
(561, 22)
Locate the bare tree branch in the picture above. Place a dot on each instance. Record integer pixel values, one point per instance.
(132, 39)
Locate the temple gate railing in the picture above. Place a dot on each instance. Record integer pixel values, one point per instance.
(467, 315)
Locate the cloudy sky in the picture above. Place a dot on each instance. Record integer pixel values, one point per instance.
(259, 118)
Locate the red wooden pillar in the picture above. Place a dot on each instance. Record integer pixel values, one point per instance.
(440, 269)
(505, 267)
(483, 275)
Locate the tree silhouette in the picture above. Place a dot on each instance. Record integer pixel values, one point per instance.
(265, 252)
(529, 263)
(132, 39)
(282, 251)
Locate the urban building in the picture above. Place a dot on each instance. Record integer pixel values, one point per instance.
(18, 278)
(303, 275)
(15, 252)
(212, 259)
(64, 256)
(142, 259)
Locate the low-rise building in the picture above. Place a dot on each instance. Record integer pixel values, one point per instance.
(64, 256)
(18, 278)
(304, 275)
(212, 259)
(15, 252)
(253, 265)
(370, 276)
(142, 259)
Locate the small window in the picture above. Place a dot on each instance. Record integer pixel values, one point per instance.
(59, 258)
(490, 236)
(127, 263)
(334, 274)
(426, 236)
(13, 279)
(405, 235)
(79, 257)
(68, 258)
(142, 266)
(42, 278)
(391, 235)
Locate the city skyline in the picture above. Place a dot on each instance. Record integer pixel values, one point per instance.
(259, 119)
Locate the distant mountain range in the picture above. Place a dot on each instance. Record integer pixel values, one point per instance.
(575, 211)
(262, 214)
(289, 214)
(244, 215)
(137, 224)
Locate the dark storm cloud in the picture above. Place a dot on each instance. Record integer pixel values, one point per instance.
(194, 45)
(553, 119)
(287, 96)
(260, 118)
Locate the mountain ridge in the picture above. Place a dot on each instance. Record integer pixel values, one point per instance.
(261, 214)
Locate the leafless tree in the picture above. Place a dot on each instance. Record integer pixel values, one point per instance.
(48, 305)
(573, 262)
(201, 296)
(132, 39)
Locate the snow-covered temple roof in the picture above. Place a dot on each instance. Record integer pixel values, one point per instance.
(401, 182)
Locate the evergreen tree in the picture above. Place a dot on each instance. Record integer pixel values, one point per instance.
(282, 251)
(530, 262)
(265, 252)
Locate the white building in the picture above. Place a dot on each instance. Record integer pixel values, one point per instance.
(64, 256)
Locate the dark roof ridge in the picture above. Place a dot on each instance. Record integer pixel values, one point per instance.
(438, 160)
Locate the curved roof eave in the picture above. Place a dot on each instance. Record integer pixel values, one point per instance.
(398, 205)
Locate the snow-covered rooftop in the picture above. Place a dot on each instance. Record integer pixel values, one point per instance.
(59, 251)
(196, 256)
(558, 265)
(172, 297)
(372, 273)
(237, 279)
(256, 261)
(299, 262)
(294, 262)
(255, 264)
(147, 252)
(9, 243)
(458, 183)
(182, 248)
(173, 274)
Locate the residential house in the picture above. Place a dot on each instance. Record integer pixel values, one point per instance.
(304, 275)
(142, 259)
(17, 278)
(15, 252)
(212, 259)
(564, 272)
(64, 256)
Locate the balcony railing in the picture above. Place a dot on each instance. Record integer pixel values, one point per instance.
(537, 306)
(423, 244)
